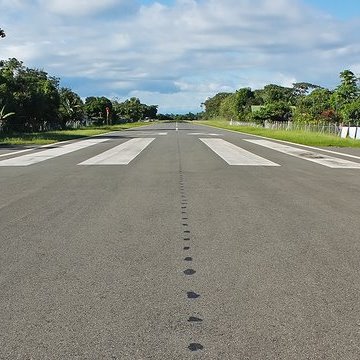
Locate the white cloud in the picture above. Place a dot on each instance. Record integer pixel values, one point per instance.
(77, 7)
(186, 51)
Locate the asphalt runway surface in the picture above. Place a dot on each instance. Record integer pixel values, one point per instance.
(179, 241)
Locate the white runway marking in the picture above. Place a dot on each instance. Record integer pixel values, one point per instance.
(203, 134)
(30, 159)
(235, 155)
(143, 133)
(15, 152)
(121, 154)
(325, 160)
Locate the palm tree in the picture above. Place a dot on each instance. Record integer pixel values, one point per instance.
(3, 116)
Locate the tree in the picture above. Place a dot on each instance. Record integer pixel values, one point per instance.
(275, 93)
(346, 92)
(279, 111)
(71, 107)
(95, 107)
(31, 94)
(189, 116)
(229, 107)
(303, 88)
(237, 104)
(212, 105)
(4, 116)
(165, 117)
(351, 112)
(315, 106)
(150, 111)
(132, 109)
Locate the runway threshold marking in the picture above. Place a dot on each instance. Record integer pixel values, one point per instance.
(143, 133)
(122, 154)
(325, 160)
(235, 155)
(33, 158)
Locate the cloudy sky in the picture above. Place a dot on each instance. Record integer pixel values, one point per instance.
(176, 53)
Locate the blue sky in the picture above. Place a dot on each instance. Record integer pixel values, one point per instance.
(176, 53)
(342, 9)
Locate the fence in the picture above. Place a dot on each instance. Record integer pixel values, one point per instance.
(322, 128)
(45, 126)
(244, 123)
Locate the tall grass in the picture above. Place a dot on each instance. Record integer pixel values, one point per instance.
(49, 137)
(295, 136)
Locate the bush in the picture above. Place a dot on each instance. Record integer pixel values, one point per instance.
(279, 111)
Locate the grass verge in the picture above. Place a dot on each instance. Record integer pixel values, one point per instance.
(50, 137)
(298, 137)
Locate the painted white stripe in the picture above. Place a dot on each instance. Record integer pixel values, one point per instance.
(203, 134)
(235, 155)
(30, 159)
(143, 133)
(121, 154)
(15, 152)
(288, 142)
(325, 160)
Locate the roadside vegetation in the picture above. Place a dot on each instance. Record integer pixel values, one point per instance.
(50, 137)
(298, 137)
(35, 109)
(302, 104)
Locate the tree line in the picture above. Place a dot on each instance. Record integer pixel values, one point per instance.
(32, 100)
(303, 102)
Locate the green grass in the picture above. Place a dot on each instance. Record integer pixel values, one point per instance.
(298, 137)
(50, 137)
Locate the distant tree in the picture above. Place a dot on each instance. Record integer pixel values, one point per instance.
(95, 107)
(351, 112)
(132, 110)
(303, 88)
(165, 117)
(31, 93)
(329, 116)
(315, 107)
(279, 111)
(237, 104)
(346, 92)
(3, 116)
(71, 107)
(150, 111)
(275, 93)
(212, 105)
(183, 117)
(258, 98)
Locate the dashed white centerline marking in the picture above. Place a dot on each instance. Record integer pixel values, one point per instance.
(122, 154)
(235, 155)
(325, 160)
